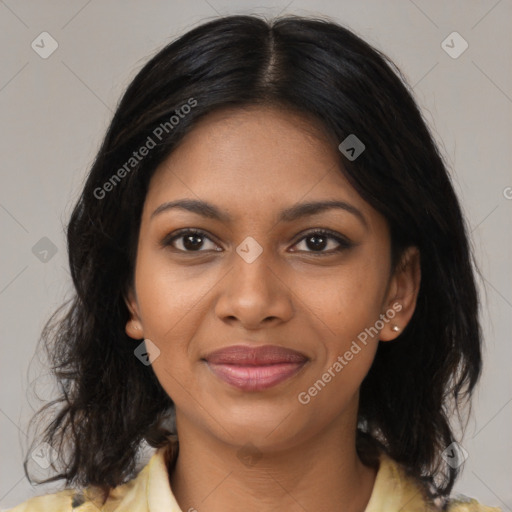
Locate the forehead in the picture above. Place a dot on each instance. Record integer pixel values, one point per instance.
(246, 159)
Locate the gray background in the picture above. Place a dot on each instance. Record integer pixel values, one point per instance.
(54, 113)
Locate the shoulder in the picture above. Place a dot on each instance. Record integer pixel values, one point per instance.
(83, 500)
(136, 494)
(396, 490)
(61, 501)
(76, 500)
(462, 503)
(68, 500)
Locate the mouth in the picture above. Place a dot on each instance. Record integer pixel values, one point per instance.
(255, 368)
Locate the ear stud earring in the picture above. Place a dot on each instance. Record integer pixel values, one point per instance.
(395, 328)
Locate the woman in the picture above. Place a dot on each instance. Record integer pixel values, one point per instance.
(274, 288)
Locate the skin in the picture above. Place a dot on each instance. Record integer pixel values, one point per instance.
(252, 163)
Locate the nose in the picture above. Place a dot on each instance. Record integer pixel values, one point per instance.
(254, 294)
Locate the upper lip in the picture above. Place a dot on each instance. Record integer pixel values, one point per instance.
(250, 355)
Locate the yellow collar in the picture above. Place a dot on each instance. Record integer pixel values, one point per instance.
(151, 490)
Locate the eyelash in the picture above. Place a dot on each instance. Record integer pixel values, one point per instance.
(344, 243)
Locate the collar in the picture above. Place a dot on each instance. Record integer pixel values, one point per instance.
(150, 491)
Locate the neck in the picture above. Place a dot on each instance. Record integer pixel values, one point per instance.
(321, 473)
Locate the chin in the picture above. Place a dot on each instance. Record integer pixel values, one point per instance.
(267, 428)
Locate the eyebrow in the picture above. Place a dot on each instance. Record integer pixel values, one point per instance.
(295, 212)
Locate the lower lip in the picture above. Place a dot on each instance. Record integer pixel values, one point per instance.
(255, 378)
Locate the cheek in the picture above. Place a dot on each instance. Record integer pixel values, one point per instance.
(168, 309)
(335, 388)
(170, 296)
(350, 308)
(351, 298)
(174, 302)
(350, 303)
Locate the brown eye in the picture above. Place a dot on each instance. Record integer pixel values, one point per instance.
(188, 240)
(317, 241)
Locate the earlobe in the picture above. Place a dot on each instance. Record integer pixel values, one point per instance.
(403, 294)
(133, 326)
(134, 329)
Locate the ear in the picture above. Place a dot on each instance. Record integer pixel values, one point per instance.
(402, 294)
(133, 326)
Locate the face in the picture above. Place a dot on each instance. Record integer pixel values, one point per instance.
(315, 281)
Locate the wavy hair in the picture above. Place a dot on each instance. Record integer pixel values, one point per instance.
(109, 402)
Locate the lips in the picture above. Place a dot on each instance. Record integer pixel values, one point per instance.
(255, 368)
(244, 355)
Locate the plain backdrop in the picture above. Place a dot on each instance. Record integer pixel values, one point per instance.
(55, 110)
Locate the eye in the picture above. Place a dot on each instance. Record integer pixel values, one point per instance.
(191, 240)
(319, 240)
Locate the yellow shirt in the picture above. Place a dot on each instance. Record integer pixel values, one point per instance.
(150, 491)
